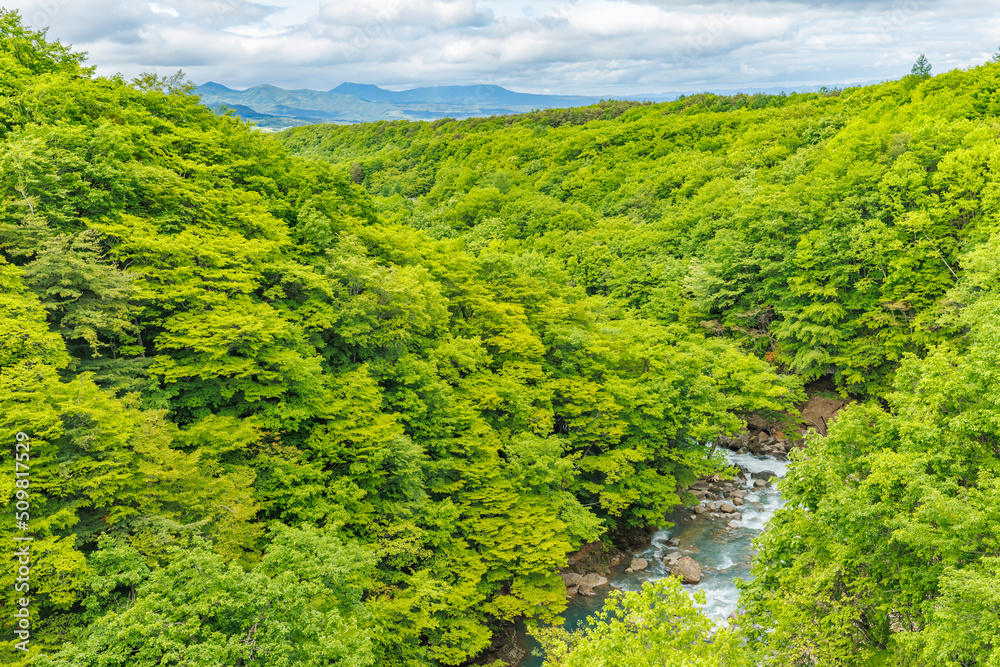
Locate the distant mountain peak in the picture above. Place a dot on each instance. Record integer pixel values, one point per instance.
(365, 91)
(349, 86)
(212, 86)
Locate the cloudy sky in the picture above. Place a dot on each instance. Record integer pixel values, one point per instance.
(592, 47)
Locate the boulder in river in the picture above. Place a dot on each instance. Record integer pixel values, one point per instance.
(734, 524)
(728, 508)
(592, 580)
(639, 564)
(763, 474)
(674, 542)
(738, 501)
(687, 569)
(571, 578)
(760, 484)
(571, 591)
(584, 589)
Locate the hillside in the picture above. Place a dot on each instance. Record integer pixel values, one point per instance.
(351, 395)
(374, 446)
(822, 230)
(849, 235)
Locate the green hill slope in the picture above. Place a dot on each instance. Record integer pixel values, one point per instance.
(853, 234)
(351, 397)
(264, 423)
(823, 229)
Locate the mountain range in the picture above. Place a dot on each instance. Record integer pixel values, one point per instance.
(274, 108)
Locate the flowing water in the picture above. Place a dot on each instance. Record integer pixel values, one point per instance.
(724, 553)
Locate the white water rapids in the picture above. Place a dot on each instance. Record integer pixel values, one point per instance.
(724, 553)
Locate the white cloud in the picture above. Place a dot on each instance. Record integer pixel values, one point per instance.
(160, 9)
(567, 46)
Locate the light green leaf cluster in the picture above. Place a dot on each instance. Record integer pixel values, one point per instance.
(658, 626)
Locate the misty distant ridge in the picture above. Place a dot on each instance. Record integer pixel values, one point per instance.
(273, 107)
(358, 102)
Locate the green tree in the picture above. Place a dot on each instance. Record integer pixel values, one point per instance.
(658, 626)
(921, 68)
(301, 605)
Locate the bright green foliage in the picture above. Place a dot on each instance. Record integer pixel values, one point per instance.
(205, 336)
(819, 229)
(850, 233)
(658, 626)
(299, 606)
(23, 334)
(432, 359)
(891, 541)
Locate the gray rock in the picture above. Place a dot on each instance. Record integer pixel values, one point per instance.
(638, 564)
(738, 501)
(687, 569)
(763, 474)
(672, 558)
(728, 508)
(586, 590)
(592, 580)
(699, 509)
(572, 591)
(571, 578)
(760, 484)
(674, 542)
(734, 524)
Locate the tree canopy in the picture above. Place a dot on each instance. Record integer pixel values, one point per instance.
(227, 356)
(385, 377)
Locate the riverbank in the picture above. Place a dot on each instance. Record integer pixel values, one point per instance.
(716, 534)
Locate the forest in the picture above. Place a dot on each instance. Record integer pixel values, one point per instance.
(350, 395)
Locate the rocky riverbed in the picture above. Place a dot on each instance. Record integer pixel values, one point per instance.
(710, 544)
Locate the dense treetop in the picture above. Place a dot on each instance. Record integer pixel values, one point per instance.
(374, 383)
(229, 358)
(821, 229)
(852, 233)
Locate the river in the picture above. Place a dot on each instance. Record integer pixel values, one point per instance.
(724, 553)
